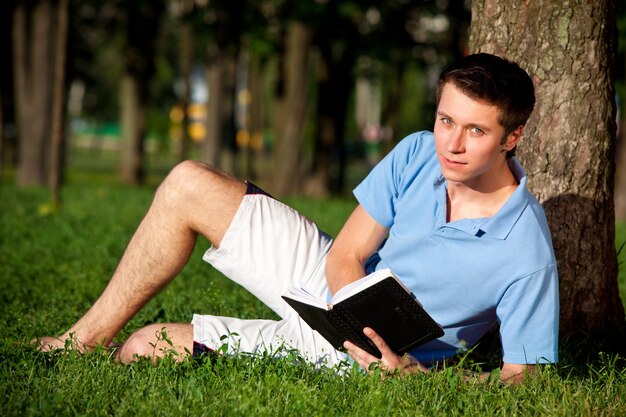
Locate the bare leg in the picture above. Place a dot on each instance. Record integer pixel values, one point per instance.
(193, 199)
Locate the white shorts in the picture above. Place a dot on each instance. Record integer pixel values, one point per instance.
(268, 248)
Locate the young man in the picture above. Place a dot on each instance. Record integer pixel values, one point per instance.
(447, 211)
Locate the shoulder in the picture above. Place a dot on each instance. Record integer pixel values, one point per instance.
(409, 156)
(418, 143)
(535, 225)
(412, 155)
(390, 179)
(529, 223)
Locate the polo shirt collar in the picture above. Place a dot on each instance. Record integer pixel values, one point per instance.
(498, 226)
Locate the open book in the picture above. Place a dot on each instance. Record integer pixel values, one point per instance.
(380, 301)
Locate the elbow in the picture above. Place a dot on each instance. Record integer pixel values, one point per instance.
(332, 260)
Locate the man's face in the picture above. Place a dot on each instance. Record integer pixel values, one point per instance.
(468, 140)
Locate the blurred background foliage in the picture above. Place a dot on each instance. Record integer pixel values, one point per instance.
(302, 97)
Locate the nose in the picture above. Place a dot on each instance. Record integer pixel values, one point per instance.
(456, 141)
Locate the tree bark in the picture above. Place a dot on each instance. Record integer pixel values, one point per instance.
(58, 106)
(220, 108)
(7, 109)
(219, 146)
(620, 158)
(568, 144)
(334, 86)
(142, 24)
(34, 26)
(394, 95)
(210, 148)
(620, 180)
(1, 144)
(186, 64)
(256, 157)
(290, 110)
(133, 121)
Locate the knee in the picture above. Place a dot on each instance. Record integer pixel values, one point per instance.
(141, 344)
(182, 183)
(188, 170)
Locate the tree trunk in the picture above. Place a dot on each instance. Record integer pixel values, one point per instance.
(227, 129)
(219, 146)
(133, 120)
(568, 145)
(142, 25)
(220, 110)
(1, 144)
(34, 28)
(7, 117)
(58, 106)
(620, 174)
(394, 96)
(290, 110)
(255, 160)
(186, 64)
(620, 179)
(210, 148)
(334, 86)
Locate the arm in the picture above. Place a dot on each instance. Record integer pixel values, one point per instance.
(359, 238)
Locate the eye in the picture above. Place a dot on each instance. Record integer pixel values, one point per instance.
(446, 121)
(477, 131)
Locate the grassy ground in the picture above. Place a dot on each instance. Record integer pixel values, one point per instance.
(52, 267)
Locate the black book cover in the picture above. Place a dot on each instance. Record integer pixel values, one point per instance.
(385, 306)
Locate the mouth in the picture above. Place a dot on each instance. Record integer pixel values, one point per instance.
(452, 163)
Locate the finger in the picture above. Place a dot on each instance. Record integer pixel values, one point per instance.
(353, 353)
(380, 343)
(360, 356)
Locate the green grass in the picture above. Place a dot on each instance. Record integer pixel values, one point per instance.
(53, 266)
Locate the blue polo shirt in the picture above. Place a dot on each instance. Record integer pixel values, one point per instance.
(468, 274)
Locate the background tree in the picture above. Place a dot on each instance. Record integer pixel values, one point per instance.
(620, 151)
(8, 142)
(568, 146)
(225, 27)
(376, 41)
(141, 23)
(35, 52)
(57, 139)
(187, 41)
(337, 41)
(290, 109)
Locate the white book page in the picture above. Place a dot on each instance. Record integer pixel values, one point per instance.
(302, 295)
(360, 284)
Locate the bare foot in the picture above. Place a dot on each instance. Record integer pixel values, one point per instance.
(51, 343)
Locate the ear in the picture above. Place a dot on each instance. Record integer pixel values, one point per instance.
(512, 139)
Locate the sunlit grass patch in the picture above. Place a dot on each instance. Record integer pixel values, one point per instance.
(53, 266)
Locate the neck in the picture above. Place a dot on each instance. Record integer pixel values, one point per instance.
(467, 201)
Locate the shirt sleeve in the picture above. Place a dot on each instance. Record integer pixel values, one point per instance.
(529, 319)
(378, 192)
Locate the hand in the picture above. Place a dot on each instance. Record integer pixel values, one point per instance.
(390, 361)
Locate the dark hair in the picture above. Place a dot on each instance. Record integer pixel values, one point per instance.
(495, 80)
